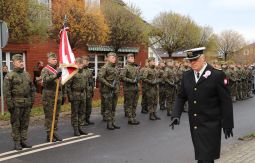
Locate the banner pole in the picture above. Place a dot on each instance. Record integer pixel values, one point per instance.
(54, 111)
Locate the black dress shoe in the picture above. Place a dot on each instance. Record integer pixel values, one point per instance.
(24, 144)
(57, 137)
(17, 146)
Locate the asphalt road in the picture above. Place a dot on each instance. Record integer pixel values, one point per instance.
(150, 142)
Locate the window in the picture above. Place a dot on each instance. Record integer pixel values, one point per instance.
(122, 61)
(7, 56)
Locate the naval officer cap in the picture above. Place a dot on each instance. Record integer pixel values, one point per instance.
(194, 54)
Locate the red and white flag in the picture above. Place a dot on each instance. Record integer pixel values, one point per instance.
(66, 58)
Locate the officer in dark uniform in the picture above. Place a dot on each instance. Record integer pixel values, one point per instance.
(210, 107)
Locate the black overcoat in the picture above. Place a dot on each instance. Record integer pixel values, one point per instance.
(210, 110)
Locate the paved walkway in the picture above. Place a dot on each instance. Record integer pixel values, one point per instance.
(242, 153)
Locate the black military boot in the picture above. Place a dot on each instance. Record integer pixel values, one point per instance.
(82, 132)
(17, 146)
(110, 126)
(48, 138)
(76, 131)
(135, 122)
(169, 113)
(24, 144)
(144, 111)
(115, 126)
(57, 137)
(162, 108)
(152, 117)
(157, 118)
(89, 122)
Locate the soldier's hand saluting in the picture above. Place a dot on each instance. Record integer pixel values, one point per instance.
(174, 121)
(228, 132)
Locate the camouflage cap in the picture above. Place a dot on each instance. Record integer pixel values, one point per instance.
(130, 55)
(85, 58)
(78, 60)
(111, 54)
(162, 61)
(151, 59)
(17, 57)
(51, 55)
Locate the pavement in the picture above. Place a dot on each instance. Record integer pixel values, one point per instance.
(150, 142)
(241, 153)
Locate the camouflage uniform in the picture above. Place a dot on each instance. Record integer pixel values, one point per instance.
(49, 76)
(239, 84)
(131, 91)
(19, 92)
(150, 77)
(232, 82)
(76, 91)
(162, 89)
(109, 78)
(90, 94)
(170, 89)
(144, 102)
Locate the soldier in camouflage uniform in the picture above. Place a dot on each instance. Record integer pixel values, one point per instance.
(232, 82)
(130, 78)
(239, 83)
(144, 102)
(102, 98)
(76, 91)
(110, 85)
(89, 91)
(19, 92)
(162, 89)
(169, 86)
(150, 77)
(49, 75)
(250, 78)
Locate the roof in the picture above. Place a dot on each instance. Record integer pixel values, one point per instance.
(183, 54)
(161, 52)
(101, 48)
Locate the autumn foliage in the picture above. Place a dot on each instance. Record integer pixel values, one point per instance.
(87, 24)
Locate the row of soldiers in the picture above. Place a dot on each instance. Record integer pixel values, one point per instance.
(240, 79)
(160, 84)
(19, 92)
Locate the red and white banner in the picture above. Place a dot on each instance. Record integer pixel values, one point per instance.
(66, 58)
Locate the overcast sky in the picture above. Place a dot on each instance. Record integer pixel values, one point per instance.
(238, 15)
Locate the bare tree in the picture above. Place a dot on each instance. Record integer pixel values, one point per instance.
(228, 42)
(206, 35)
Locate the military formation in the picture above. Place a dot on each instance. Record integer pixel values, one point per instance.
(158, 85)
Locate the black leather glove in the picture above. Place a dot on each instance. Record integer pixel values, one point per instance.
(228, 132)
(174, 121)
(59, 74)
